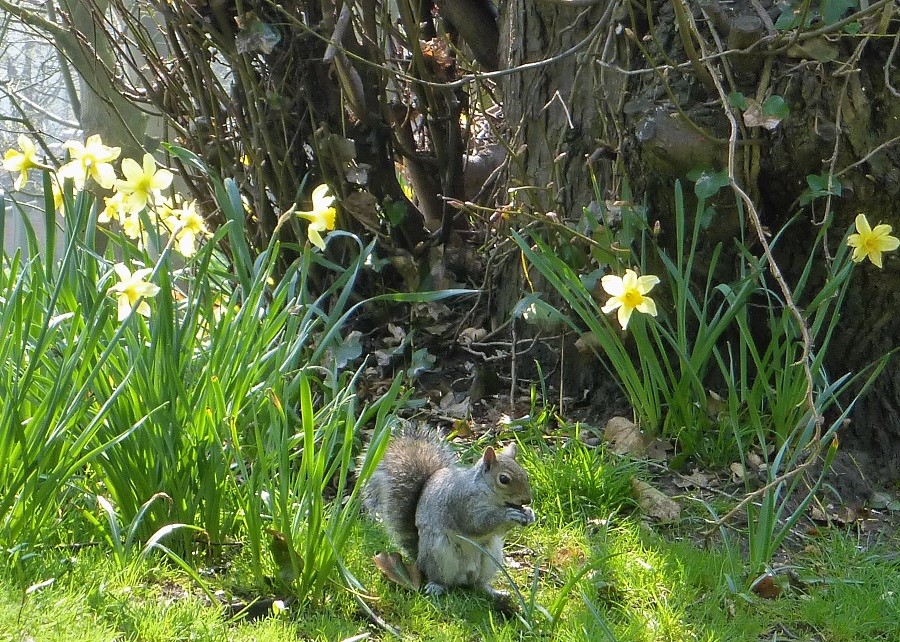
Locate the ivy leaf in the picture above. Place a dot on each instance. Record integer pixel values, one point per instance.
(768, 115)
(834, 10)
(396, 212)
(709, 184)
(706, 219)
(775, 107)
(422, 361)
(737, 99)
(348, 350)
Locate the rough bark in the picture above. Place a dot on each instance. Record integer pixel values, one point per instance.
(635, 89)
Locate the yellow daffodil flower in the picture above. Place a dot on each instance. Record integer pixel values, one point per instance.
(871, 243)
(142, 183)
(188, 226)
(112, 210)
(321, 216)
(91, 160)
(133, 227)
(629, 294)
(130, 289)
(21, 161)
(57, 192)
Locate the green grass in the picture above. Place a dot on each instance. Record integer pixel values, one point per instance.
(644, 584)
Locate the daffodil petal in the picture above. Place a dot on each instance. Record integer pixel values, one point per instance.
(888, 244)
(315, 238)
(123, 306)
(613, 285)
(105, 175)
(611, 305)
(862, 224)
(131, 170)
(162, 179)
(646, 283)
(647, 306)
(624, 315)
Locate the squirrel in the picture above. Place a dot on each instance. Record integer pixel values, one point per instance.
(426, 502)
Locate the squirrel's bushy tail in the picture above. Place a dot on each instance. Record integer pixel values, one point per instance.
(412, 456)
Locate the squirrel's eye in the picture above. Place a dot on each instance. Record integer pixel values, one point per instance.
(503, 479)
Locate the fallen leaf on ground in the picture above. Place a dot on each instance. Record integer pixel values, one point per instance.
(737, 472)
(654, 503)
(756, 461)
(696, 478)
(659, 449)
(398, 571)
(766, 588)
(587, 343)
(624, 436)
(472, 335)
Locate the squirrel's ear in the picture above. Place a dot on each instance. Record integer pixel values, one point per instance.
(489, 458)
(510, 451)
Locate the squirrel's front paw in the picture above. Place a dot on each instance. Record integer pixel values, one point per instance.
(433, 589)
(523, 516)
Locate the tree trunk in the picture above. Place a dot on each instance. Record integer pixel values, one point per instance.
(641, 88)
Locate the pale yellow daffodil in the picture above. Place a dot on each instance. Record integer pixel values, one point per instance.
(188, 227)
(20, 162)
(871, 243)
(58, 202)
(142, 183)
(133, 227)
(90, 160)
(629, 294)
(130, 289)
(321, 216)
(113, 209)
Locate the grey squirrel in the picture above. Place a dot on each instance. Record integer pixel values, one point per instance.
(426, 502)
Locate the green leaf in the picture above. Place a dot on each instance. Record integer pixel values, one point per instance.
(590, 280)
(706, 219)
(395, 212)
(737, 99)
(834, 10)
(776, 107)
(787, 20)
(348, 350)
(422, 361)
(709, 184)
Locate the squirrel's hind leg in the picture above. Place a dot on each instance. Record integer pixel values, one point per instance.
(433, 589)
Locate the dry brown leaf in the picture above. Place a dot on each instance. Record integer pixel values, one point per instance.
(738, 474)
(696, 478)
(587, 343)
(659, 449)
(624, 436)
(766, 588)
(398, 571)
(567, 556)
(756, 461)
(472, 335)
(754, 116)
(715, 405)
(654, 503)
(817, 514)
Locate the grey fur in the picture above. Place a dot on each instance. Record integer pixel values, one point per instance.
(431, 507)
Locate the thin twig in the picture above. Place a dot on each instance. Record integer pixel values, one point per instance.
(866, 158)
